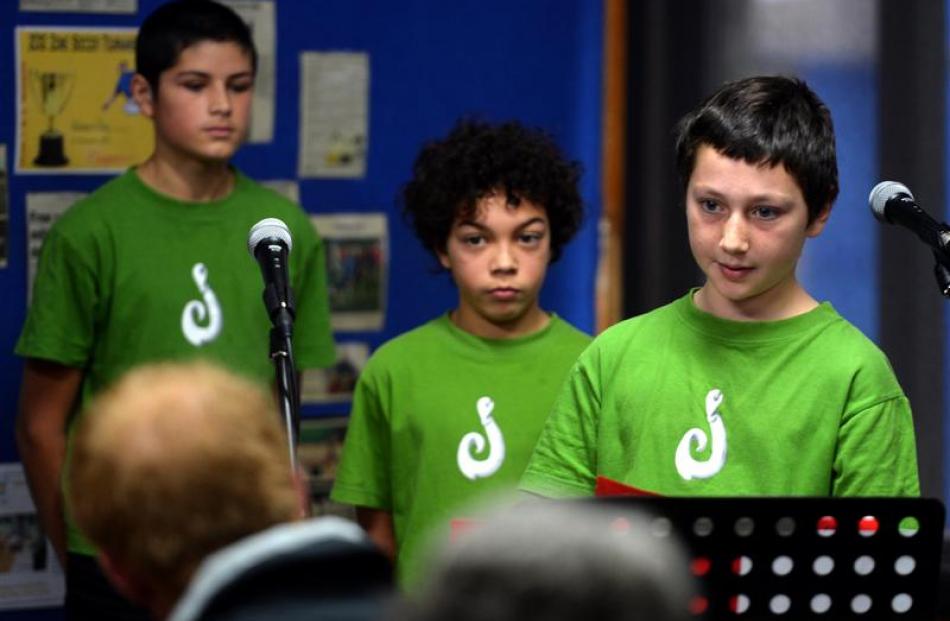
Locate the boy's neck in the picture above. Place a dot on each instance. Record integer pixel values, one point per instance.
(188, 181)
(469, 321)
(774, 305)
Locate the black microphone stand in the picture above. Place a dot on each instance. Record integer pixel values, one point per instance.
(282, 353)
(942, 272)
(939, 241)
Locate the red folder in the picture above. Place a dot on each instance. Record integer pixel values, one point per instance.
(609, 487)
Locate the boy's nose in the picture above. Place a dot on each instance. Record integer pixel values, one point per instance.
(220, 100)
(735, 235)
(504, 259)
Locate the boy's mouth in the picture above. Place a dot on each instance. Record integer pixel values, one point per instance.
(504, 293)
(734, 272)
(220, 131)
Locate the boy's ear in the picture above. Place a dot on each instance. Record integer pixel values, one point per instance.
(818, 224)
(444, 259)
(143, 96)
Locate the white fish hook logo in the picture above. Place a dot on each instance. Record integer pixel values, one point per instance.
(474, 443)
(686, 464)
(198, 312)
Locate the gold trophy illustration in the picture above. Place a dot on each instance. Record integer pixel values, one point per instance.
(52, 90)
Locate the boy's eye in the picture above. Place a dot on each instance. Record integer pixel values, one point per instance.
(194, 86)
(241, 87)
(709, 206)
(765, 213)
(531, 239)
(473, 240)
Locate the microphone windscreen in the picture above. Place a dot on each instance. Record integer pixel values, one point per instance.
(883, 192)
(268, 228)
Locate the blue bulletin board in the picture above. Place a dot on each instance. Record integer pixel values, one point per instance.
(430, 62)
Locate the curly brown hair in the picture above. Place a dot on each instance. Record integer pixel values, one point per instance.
(479, 158)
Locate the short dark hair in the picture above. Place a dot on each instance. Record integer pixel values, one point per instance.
(767, 120)
(478, 158)
(179, 24)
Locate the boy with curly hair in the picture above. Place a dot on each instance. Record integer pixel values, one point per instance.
(746, 385)
(451, 410)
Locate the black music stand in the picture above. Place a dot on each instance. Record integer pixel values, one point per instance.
(805, 558)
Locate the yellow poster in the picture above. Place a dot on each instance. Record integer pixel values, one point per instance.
(75, 113)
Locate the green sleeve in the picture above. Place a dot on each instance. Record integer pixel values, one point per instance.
(61, 321)
(876, 453)
(313, 335)
(363, 477)
(564, 462)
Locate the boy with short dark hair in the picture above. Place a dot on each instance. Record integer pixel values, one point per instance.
(153, 266)
(450, 411)
(746, 385)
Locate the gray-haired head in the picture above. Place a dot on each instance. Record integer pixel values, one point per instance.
(556, 561)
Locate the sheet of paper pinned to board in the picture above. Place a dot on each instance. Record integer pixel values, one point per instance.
(357, 251)
(43, 209)
(260, 17)
(80, 6)
(74, 103)
(334, 114)
(336, 383)
(4, 207)
(30, 575)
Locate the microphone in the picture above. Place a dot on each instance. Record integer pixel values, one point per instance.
(269, 243)
(892, 203)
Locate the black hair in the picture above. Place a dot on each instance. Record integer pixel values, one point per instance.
(179, 24)
(767, 120)
(479, 158)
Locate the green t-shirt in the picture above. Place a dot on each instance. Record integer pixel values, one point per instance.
(680, 402)
(418, 405)
(129, 276)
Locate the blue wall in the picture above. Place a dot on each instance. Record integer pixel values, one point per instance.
(840, 265)
(534, 60)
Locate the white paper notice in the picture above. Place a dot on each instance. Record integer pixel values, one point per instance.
(30, 576)
(43, 209)
(335, 384)
(80, 6)
(357, 247)
(259, 15)
(334, 114)
(4, 208)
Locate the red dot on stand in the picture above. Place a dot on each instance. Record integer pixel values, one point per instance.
(868, 525)
(827, 525)
(698, 605)
(700, 566)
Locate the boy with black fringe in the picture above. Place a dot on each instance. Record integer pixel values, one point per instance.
(746, 385)
(152, 267)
